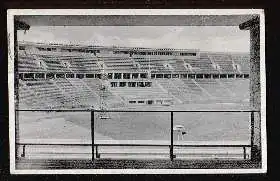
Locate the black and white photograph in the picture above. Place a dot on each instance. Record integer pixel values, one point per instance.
(141, 91)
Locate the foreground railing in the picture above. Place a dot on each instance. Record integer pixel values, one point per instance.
(95, 146)
(98, 154)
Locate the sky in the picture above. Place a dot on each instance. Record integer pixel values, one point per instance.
(204, 38)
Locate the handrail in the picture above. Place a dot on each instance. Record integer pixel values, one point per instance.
(97, 110)
(114, 144)
(172, 156)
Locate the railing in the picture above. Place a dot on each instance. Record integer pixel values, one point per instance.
(94, 146)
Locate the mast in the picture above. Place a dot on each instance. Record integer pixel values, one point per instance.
(103, 93)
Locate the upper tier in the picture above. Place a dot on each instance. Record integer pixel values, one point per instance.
(36, 57)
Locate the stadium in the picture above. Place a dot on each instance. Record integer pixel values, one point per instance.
(127, 106)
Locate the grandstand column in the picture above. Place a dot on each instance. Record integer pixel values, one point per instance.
(255, 88)
(18, 25)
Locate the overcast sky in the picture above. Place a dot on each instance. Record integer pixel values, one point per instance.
(205, 38)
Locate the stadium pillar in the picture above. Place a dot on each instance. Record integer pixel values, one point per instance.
(171, 138)
(18, 25)
(92, 134)
(255, 87)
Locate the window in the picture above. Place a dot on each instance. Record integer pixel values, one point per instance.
(246, 76)
(21, 76)
(126, 75)
(70, 75)
(141, 102)
(89, 75)
(122, 84)
(50, 76)
(114, 84)
(49, 49)
(199, 76)
(98, 76)
(184, 75)
(117, 75)
(153, 76)
(167, 76)
(216, 76)
(143, 75)
(80, 76)
(29, 75)
(132, 102)
(191, 76)
(230, 75)
(175, 75)
(150, 101)
(239, 76)
(148, 84)
(159, 75)
(39, 75)
(131, 84)
(223, 76)
(207, 76)
(60, 75)
(140, 84)
(110, 75)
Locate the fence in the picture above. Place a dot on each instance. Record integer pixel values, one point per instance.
(95, 146)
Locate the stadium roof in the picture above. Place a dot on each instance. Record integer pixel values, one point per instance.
(130, 20)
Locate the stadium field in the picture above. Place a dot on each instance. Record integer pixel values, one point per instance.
(139, 125)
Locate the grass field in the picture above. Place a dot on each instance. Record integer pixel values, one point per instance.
(139, 125)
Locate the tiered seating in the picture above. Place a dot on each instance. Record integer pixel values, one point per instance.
(201, 65)
(224, 61)
(173, 89)
(240, 88)
(220, 93)
(179, 66)
(53, 64)
(205, 64)
(77, 91)
(111, 99)
(83, 65)
(196, 93)
(29, 64)
(41, 94)
(140, 92)
(243, 61)
(116, 63)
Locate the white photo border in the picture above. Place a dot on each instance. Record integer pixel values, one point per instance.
(10, 27)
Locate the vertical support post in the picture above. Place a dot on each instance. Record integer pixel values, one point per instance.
(97, 154)
(252, 134)
(23, 151)
(171, 137)
(92, 134)
(244, 153)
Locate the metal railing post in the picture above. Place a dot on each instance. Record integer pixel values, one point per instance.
(244, 153)
(97, 154)
(252, 134)
(171, 137)
(92, 134)
(23, 151)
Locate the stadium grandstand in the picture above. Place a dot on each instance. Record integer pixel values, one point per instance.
(70, 76)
